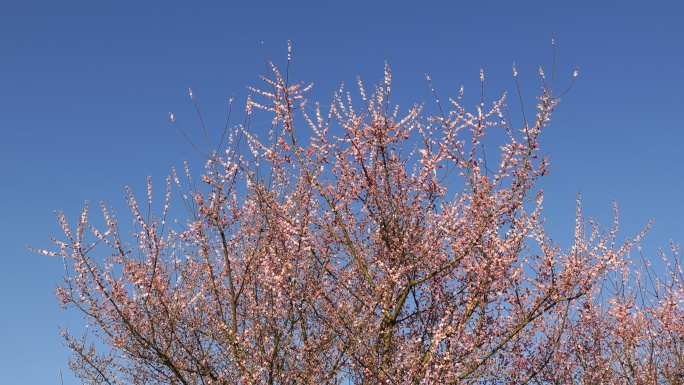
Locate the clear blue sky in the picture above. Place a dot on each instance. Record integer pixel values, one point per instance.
(85, 88)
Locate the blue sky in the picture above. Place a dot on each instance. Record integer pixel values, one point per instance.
(85, 89)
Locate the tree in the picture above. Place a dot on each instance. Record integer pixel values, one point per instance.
(355, 246)
(635, 335)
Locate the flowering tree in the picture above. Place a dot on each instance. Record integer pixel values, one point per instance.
(357, 245)
(635, 335)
